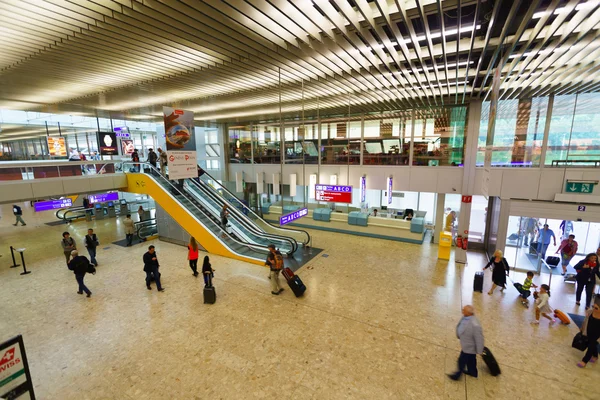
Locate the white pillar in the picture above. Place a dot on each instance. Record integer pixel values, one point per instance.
(439, 216)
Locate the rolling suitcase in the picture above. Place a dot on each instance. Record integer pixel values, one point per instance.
(562, 317)
(294, 282)
(490, 361)
(533, 248)
(478, 282)
(210, 295)
(552, 261)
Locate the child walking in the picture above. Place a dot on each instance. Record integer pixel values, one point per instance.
(207, 271)
(542, 306)
(524, 289)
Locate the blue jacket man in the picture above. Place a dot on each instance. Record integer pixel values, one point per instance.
(470, 334)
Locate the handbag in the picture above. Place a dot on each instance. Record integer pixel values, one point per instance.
(91, 269)
(580, 342)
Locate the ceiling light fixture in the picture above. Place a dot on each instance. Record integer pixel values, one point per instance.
(560, 10)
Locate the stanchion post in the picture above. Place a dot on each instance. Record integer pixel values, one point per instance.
(12, 253)
(25, 272)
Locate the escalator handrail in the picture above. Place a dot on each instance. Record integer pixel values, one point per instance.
(157, 174)
(146, 221)
(233, 196)
(142, 226)
(244, 221)
(64, 210)
(66, 219)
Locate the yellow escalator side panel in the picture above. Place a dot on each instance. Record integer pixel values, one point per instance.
(143, 184)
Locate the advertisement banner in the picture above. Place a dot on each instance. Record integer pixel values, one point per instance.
(15, 378)
(52, 204)
(333, 193)
(127, 147)
(108, 144)
(182, 164)
(286, 219)
(179, 129)
(390, 186)
(57, 146)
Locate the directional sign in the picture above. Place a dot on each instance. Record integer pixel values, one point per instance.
(52, 204)
(579, 187)
(333, 193)
(286, 219)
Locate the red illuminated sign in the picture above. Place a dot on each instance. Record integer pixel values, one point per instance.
(333, 193)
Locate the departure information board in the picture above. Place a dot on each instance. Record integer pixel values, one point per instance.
(333, 193)
(52, 204)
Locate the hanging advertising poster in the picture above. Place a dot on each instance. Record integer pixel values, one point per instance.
(181, 143)
(108, 144)
(127, 147)
(56, 146)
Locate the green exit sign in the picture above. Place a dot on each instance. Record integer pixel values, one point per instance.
(578, 187)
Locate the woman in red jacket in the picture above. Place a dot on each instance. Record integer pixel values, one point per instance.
(193, 255)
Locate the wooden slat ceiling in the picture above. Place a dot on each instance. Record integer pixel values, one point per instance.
(243, 60)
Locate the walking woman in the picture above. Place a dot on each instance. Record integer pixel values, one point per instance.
(499, 270)
(207, 270)
(587, 269)
(193, 255)
(591, 329)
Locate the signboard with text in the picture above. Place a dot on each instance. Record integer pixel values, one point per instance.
(182, 164)
(181, 143)
(286, 219)
(15, 378)
(333, 193)
(102, 197)
(52, 204)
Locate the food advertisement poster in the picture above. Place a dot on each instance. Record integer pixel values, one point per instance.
(108, 144)
(181, 143)
(56, 146)
(127, 147)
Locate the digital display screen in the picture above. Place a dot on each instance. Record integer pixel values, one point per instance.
(52, 204)
(102, 197)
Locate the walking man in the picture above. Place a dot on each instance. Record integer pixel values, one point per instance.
(151, 268)
(162, 155)
(275, 263)
(68, 245)
(91, 242)
(128, 223)
(19, 215)
(567, 249)
(470, 334)
(544, 240)
(152, 157)
(79, 266)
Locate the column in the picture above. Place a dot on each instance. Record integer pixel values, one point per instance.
(439, 216)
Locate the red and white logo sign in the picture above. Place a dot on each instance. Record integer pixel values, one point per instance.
(178, 112)
(187, 157)
(467, 199)
(7, 357)
(172, 158)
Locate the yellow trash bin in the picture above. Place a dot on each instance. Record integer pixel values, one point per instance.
(445, 245)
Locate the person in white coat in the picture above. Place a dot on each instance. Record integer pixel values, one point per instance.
(542, 306)
(470, 334)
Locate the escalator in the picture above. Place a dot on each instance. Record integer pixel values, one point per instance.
(212, 187)
(71, 214)
(146, 229)
(238, 222)
(190, 213)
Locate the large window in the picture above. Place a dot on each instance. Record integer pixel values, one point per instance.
(267, 141)
(240, 145)
(439, 136)
(385, 141)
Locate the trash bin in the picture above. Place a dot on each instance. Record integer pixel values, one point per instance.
(445, 245)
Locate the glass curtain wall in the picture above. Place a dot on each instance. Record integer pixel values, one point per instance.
(385, 140)
(439, 136)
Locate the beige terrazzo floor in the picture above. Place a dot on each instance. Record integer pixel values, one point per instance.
(377, 322)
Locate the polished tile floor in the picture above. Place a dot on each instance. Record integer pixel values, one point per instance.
(377, 322)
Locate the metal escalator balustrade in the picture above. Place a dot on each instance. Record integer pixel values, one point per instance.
(238, 221)
(234, 244)
(298, 234)
(70, 214)
(146, 228)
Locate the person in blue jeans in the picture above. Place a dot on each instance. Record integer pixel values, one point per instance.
(79, 266)
(91, 242)
(544, 240)
(151, 268)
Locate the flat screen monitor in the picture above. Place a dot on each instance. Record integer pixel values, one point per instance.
(373, 148)
(123, 201)
(111, 204)
(391, 145)
(98, 206)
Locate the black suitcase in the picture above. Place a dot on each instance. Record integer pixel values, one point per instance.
(478, 282)
(533, 248)
(297, 286)
(210, 294)
(490, 361)
(552, 261)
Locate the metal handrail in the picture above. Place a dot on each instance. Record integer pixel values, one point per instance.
(69, 210)
(157, 174)
(244, 222)
(233, 196)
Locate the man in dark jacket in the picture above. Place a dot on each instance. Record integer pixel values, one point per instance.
(152, 158)
(91, 242)
(18, 214)
(79, 266)
(151, 268)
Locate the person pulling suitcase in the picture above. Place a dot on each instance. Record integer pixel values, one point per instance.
(470, 334)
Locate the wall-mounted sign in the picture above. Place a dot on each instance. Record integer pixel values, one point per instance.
(467, 199)
(102, 197)
(286, 219)
(15, 378)
(333, 193)
(363, 189)
(56, 146)
(108, 144)
(390, 185)
(579, 187)
(121, 132)
(580, 208)
(52, 204)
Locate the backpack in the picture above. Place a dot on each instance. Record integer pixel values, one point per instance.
(17, 210)
(278, 261)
